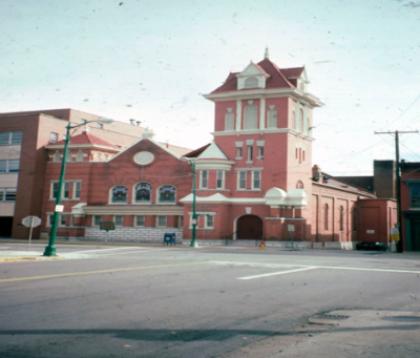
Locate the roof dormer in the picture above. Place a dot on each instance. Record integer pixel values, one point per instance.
(253, 76)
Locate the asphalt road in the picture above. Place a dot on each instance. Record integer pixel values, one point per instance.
(109, 301)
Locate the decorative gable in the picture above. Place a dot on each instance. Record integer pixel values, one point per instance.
(212, 152)
(253, 76)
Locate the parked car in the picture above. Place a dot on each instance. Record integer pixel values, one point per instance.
(371, 245)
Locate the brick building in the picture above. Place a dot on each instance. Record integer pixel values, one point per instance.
(255, 180)
(23, 159)
(410, 205)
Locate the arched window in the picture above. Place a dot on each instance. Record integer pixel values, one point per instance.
(250, 116)
(251, 82)
(167, 194)
(299, 184)
(326, 216)
(229, 120)
(272, 117)
(142, 193)
(119, 194)
(341, 218)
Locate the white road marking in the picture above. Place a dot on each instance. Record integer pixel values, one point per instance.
(254, 264)
(278, 273)
(367, 269)
(107, 250)
(303, 268)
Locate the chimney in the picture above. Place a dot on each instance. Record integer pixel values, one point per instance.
(316, 173)
(132, 120)
(138, 123)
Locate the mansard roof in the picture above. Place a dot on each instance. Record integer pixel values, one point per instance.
(277, 77)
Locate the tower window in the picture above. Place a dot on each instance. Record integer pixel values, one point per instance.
(242, 179)
(256, 179)
(251, 82)
(220, 179)
(204, 179)
(250, 152)
(272, 117)
(238, 152)
(229, 120)
(250, 116)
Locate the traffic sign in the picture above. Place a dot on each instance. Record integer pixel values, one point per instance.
(31, 221)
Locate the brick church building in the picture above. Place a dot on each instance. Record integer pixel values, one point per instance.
(255, 180)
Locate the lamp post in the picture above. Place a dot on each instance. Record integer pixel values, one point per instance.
(194, 212)
(50, 249)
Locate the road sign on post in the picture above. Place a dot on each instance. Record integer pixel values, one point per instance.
(31, 221)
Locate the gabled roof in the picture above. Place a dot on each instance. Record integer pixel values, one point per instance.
(196, 152)
(212, 152)
(277, 78)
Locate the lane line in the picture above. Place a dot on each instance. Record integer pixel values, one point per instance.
(102, 250)
(95, 272)
(349, 268)
(254, 264)
(277, 273)
(367, 269)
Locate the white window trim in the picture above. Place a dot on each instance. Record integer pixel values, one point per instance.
(135, 221)
(133, 194)
(201, 186)
(110, 202)
(93, 220)
(252, 180)
(222, 187)
(115, 221)
(73, 194)
(60, 225)
(157, 221)
(206, 226)
(69, 182)
(238, 180)
(203, 225)
(165, 202)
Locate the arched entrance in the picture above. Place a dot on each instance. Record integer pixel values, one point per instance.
(249, 227)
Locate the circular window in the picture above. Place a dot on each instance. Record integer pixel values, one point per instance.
(143, 158)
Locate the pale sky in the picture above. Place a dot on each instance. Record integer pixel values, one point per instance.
(153, 60)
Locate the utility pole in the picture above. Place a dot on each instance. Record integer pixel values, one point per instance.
(398, 182)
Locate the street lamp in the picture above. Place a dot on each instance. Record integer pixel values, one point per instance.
(50, 249)
(194, 212)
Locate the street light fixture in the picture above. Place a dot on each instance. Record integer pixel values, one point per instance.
(50, 249)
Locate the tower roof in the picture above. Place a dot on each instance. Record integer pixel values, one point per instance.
(277, 77)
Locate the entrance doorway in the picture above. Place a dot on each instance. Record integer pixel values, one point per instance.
(415, 234)
(249, 227)
(6, 223)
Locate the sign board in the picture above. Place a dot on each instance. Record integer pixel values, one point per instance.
(291, 228)
(31, 221)
(107, 225)
(370, 231)
(59, 208)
